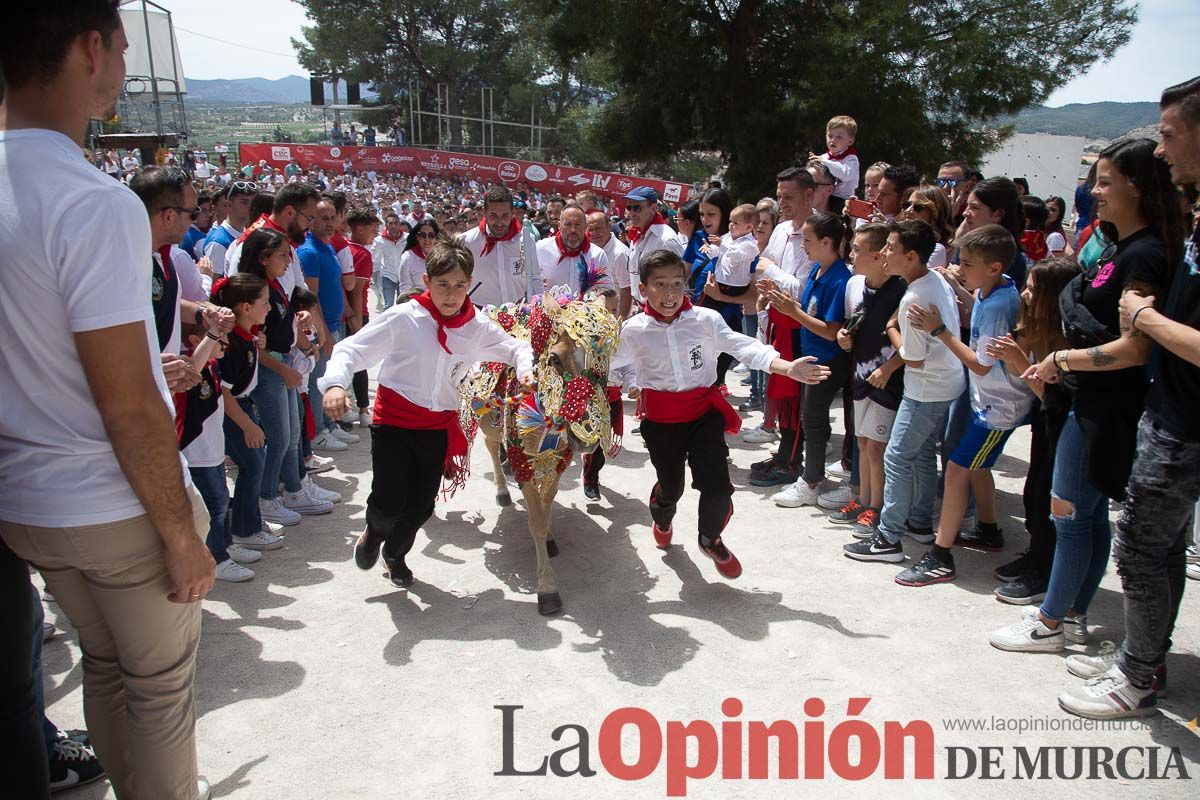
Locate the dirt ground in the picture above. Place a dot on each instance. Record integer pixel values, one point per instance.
(316, 680)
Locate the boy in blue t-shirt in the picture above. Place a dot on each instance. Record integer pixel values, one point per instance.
(999, 402)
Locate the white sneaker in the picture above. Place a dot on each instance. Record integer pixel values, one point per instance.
(835, 499)
(1029, 635)
(1108, 696)
(740, 369)
(1088, 667)
(1193, 554)
(318, 493)
(328, 442)
(301, 503)
(364, 419)
(271, 527)
(274, 511)
(341, 435)
(834, 469)
(316, 463)
(230, 570)
(259, 541)
(1193, 571)
(243, 555)
(759, 435)
(796, 495)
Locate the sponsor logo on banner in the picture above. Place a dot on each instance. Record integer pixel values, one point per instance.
(508, 171)
(671, 192)
(535, 173)
(460, 163)
(335, 152)
(600, 181)
(624, 185)
(281, 153)
(579, 179)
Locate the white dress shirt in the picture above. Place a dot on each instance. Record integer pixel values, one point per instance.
(682, 354)
(386, 254)
(657, 237)
(412, 267)
(500, 273)
(791, 267)
(564, 271)
(414, 364)
(735, 257)
(619, 254)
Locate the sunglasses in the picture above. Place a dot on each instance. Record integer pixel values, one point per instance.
(242, 187)
(918, 207)
(634, 207)
(194, 213)
(948, 182)
(427, 235)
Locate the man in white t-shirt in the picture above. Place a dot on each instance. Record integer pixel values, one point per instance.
(559, 256)
(93, 492)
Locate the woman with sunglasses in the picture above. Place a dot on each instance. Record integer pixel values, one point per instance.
(1103, 369)
(929, 204)
(412, 262)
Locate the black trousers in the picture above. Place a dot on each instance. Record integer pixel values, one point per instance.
(407, 473)
(701, 445)
(1045, 428)
(818, 399)
(594, 462)
(23, 768)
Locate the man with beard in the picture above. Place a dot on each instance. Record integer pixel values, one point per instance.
(292, 214)
(502, 272)
(571, 258)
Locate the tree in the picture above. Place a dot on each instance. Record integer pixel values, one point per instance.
(758, 79)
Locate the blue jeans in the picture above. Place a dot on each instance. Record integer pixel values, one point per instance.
(758, 378)
(390, 289)
(210, 483)
(1084, 537)
(320, 423)
(279, 409)
(956, 427)
(245, 519)
(910, 467)
(49, 730)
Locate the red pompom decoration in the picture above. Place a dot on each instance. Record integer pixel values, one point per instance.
(576, 395)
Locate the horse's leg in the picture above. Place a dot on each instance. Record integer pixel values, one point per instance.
(548, 491)
(549, 601)
(491, 438)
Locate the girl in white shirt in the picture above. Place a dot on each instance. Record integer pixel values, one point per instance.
(426, 347)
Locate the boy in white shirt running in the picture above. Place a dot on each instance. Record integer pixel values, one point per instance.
(673, 348)
(426, 347)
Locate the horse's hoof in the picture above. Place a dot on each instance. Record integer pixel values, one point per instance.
(551, 548)
(549, 603)
(504, 499)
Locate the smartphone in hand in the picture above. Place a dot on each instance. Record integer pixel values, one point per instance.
(859, 209)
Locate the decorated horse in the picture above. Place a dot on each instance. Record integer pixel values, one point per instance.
(567, 414)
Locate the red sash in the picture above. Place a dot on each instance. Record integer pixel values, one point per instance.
(396, 410)
(783, 329)
(689, 406)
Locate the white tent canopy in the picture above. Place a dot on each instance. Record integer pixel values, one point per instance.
(152, 51)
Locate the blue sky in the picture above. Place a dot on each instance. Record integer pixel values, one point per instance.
(1164, 48)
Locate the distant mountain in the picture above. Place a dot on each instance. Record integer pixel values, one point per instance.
(1092, 120)
(292, 89)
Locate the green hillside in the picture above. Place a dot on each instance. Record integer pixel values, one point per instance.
(1093, 120)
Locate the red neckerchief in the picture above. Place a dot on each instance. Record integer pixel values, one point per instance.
(687, 303)
(849, 151)
(243, 334)
(164, 253)
(397, 240)
(416, 248)
(513, 230)
(636, 233)
(464, 315)
(264, 221)
(563, 252)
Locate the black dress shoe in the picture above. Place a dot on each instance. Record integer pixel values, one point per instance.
(591, 491)
(366, 551)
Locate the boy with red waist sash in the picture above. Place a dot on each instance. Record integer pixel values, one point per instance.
(426, 347)
(673, 349)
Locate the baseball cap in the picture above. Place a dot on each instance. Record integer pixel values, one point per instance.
(643, 193)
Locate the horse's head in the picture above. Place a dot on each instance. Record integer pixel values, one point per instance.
(572, 371)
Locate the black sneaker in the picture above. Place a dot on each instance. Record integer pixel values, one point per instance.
(921, 535)
(979, 540)
(366, 551)
(591, 491)
(764, 466)
(73, 764)
(753, 404)
(1014, 569)
(1024, 591)
(876, 548)
(777, 476)
(927, 572)
(76, 735)
(399, 573)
